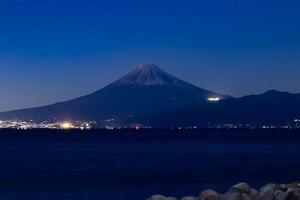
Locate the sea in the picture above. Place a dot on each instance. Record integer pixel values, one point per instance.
(135, 164)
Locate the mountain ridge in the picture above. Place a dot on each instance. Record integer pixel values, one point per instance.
(145, 89)
(150, 96)
(271, 107)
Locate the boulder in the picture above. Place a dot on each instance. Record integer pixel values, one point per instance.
(245, 197)
(242, 191)
(292, 195)
(267, 191)
(243, 188)
(189, 198)
(279, 195)
(284, 187)
(209, 195)
(294, 185)
(254, 193)
(293, 189)
(268, 186)
(231, 196)
(161, 197)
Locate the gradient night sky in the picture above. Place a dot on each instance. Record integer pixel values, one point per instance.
(54, 50)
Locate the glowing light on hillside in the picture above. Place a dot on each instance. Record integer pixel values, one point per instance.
(66, 125)
(213, 99)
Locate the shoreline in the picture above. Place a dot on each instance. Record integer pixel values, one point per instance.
(243, 191)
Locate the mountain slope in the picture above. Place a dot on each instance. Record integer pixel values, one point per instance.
(272, 107)
(146, 89)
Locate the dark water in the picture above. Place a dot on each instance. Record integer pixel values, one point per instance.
(133, 166)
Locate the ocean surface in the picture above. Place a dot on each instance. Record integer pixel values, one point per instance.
(133, 165)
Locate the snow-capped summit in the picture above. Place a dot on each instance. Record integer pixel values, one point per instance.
(145, 91)
(147, 75)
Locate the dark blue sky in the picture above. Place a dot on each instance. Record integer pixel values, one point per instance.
(54, 50)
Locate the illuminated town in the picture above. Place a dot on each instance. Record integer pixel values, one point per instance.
(87, 125)
(24, 125)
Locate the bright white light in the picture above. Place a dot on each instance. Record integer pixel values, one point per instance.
(214, 99)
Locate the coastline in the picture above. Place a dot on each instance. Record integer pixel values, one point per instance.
(243, 191)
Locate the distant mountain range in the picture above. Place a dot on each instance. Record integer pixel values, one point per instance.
(270, 108)
(148, 95)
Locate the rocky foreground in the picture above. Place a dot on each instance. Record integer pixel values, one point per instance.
(243, 191)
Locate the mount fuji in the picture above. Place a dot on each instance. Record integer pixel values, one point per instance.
(145, 90)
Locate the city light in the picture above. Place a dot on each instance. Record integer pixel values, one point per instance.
(90, 125)
(31, 124)
(66, 125)
(213, 99)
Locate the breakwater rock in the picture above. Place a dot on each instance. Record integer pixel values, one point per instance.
(242, 191)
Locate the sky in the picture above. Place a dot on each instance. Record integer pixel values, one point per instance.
(55, 50)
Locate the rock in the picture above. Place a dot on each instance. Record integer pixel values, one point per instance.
(293, 195)
(294, 185)
(231, 196)
(209, 195)
(268, 186)
(160, 197)
(157, 197)
(266, 195)
(283, 187)
(267, 191)
(293, 189)
(279, 195)
(246, 197)
(189, 198)
(254, 193)
(242, 191)
(243, 188)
